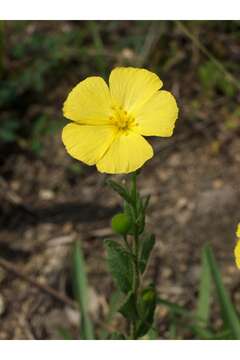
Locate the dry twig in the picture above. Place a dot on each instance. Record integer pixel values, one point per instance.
(13, 269)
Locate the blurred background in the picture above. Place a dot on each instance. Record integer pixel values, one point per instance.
(48, 199)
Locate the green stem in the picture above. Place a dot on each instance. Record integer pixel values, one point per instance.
(127, 243)
(136, 281)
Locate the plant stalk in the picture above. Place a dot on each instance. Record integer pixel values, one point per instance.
(136, 281)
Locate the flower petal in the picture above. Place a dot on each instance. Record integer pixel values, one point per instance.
(89, 102)
(157, 117)
(132, 87)
(87, 143)
(237, 254)
(128, 152)
(238, 231)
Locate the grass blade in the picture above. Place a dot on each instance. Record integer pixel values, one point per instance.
(174, 308)
(65, 334)
(229, 313)
(204, 296)
(1, 45)
(81, 289)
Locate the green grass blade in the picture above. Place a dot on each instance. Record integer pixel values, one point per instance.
(174, 308)
(81, 289)
(1, 45)
(65, 334)
(229, 313)
(94, 30)
(185, 319)
(204, 296)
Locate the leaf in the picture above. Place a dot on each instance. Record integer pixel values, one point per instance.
(204, 296)
(121, 190)
(117, 336)
(145, 202)
(146, 309)
(65, 333)
(115, 303)
(186, 319)
(128, 308)
(128, 210)
(148, 242)
(80, 288)
(229, 313)
(200, 332)
(152, 334)
(174, 308)
(120, 265)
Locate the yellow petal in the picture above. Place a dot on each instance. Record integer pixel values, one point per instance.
(238, 231)
(89, 102)
(237, 254)
(128, 152)
(157, 117)
(132, 87)
(87, 143)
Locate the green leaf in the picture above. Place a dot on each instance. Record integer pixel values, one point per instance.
(173, 327)
(115, 303)
(80, 288)
(145, 202)
(204, 296)
(185, 319)
(174, 308)
(128, 308)
(229, 313)
(200, 332)
(65, 333)
(117, 336)
(146, 309)
(120, 265)
(152, 334)
(148, 242)
(121, 190)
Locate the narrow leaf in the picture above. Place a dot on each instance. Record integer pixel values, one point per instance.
(121, 190)
(128, 308)
(81, 289)
(117, 336)
(228, 311)
(65, 334)
(146, 309)
(204, 296)
(174, 308)
(148, 242)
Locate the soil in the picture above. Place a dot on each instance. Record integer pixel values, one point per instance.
(194, 199)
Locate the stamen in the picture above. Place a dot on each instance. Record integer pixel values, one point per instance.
(121, 119)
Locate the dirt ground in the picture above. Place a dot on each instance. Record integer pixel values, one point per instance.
(194, 199)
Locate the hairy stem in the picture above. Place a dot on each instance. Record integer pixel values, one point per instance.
(136, 280)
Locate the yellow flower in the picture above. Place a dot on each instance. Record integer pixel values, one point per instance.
(238, 231)
(109, 124)
(237, 247)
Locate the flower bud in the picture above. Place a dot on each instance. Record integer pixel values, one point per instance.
(121, 223)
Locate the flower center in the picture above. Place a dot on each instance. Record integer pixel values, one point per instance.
(121, 119)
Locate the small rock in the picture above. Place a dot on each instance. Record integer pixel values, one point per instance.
(174, 160)
(46, 194)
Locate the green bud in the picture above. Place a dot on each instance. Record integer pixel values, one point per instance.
(121, 223)
(148, 296)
